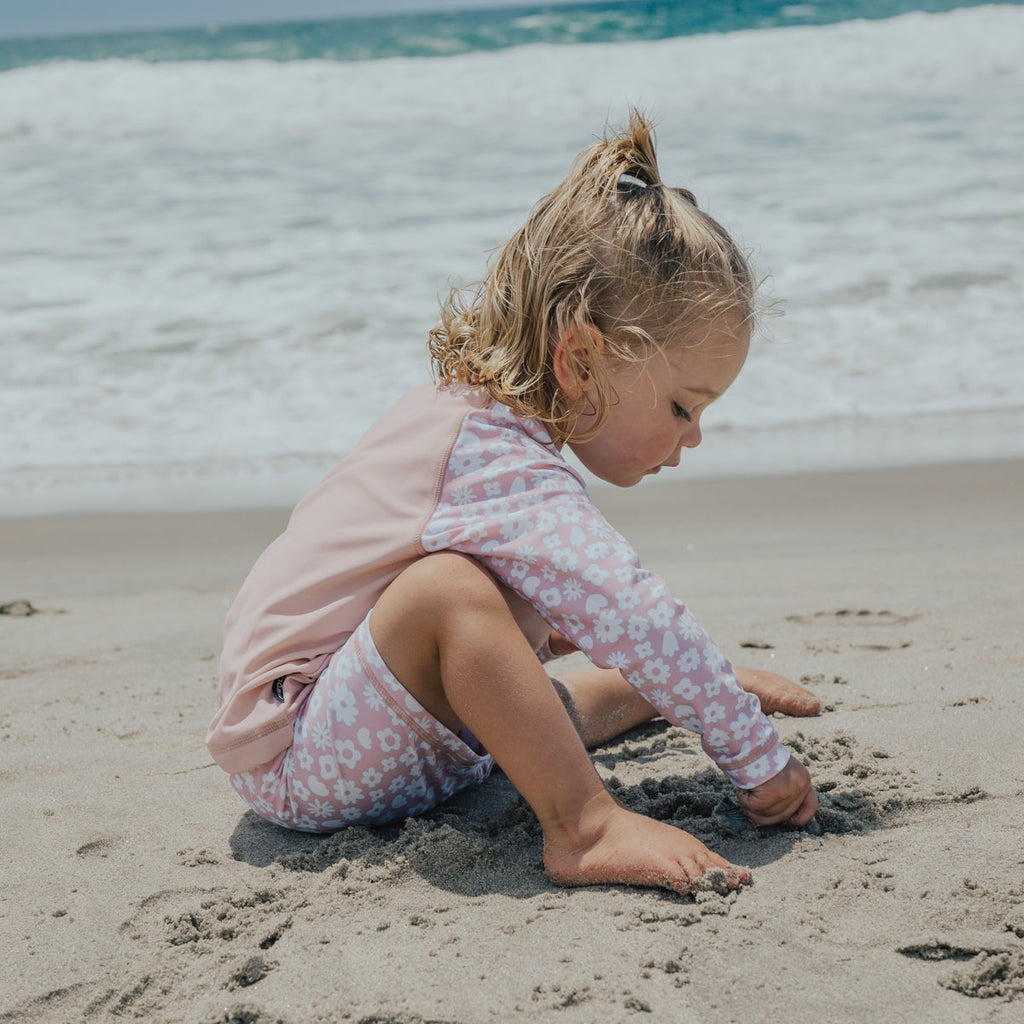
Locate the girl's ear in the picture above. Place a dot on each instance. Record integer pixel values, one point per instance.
(575, 353)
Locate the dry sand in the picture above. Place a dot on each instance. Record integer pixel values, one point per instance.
(135, 885)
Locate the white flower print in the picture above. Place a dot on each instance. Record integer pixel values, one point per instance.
(463, 494)
(595, 574)
(388, 764)
(570, 513)
(397, 784)
(388, 740)
(689, 628)
(546, 521)
(495, 508)
(638, 627)
(661, 614)
(551, 598)
(742, 724)
(718, 739)
(565, 559)
(573, 623)
(759, 768)
(408, 757)
(322, 735)
(350, 813)
(628, 597)
(660, 699)
(328, 767)
(371, 777)
(342, 702)
(305, 759)
(608, 626)
(658, 672)
(713, 687)
(376, 795)
(624, 573)
(572, 589)
(527, 554)
(519, 571)
(687, 717)
(644, 650)
(319, 809)
(345, 751)
(552, 541)
(492, 488)
(466, 460)
(617, 659)
(689, 661)
(714, 712)
(687, 689)
(549, 574)
(515, 524)
(713, 658)
(300, 790)
(596, 551)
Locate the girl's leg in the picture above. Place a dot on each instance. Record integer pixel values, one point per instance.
(777, 693)
(602, 705)
(445, 631)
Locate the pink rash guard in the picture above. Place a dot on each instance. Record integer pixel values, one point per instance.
(445, 471)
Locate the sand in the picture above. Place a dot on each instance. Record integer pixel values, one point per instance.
(136, 885)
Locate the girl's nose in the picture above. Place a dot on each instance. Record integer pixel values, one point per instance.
(691, 436)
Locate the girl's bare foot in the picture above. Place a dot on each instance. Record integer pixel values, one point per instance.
(630, 849)
(777, 693)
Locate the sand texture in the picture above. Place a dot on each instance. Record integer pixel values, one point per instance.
(136, 886)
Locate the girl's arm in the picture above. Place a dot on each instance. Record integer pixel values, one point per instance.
(516, 506)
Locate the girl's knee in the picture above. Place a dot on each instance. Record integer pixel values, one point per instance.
(457, 582)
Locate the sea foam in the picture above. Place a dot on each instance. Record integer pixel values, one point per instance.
(217, 274)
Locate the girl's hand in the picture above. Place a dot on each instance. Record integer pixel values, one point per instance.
(787, 798)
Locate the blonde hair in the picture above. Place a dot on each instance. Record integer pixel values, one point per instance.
(610, 248)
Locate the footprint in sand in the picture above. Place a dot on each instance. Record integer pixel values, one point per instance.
(851, 617)
(96, 847)
(863, 618)
(993, 967)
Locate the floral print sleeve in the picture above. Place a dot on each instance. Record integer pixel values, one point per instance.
(511, 501)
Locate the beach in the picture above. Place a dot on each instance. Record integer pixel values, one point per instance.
(137, 885)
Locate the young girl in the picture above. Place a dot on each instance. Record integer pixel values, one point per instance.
(386, 650)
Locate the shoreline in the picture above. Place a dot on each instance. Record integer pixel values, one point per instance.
(137, 884)
(950, 437)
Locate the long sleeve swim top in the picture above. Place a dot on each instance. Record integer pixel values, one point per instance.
(446, 470)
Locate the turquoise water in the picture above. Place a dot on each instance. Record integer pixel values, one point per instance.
(445, 34)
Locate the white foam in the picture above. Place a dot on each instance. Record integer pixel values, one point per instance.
(222, 264)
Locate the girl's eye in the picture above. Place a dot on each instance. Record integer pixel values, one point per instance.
(678, 410)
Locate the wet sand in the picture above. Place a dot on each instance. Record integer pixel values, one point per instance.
(136, 885)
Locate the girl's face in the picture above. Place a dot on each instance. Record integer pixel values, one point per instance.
(660, 402)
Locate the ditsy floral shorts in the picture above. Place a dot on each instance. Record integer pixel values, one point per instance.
(365, 752)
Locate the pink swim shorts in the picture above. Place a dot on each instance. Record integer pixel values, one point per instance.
(365, 752)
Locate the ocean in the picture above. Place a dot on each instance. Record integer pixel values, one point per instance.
(222, 249)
